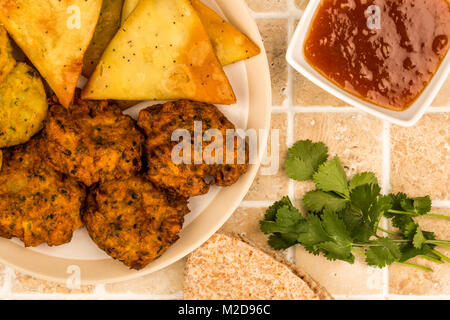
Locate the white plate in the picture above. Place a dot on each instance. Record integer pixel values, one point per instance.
(296, 58)
(251, 83)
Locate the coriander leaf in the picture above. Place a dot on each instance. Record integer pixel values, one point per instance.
(410, 230)
(362, 233)
(364, 196)
(331, 177)
(408, 252)
(278, 242)
(401, 221)
(337, 251)
(287, 216)
(359, 230)
(268, 227)
(420, 205)
(429, 235)
(396, 201)
(362, 179)
(298, 169)
(336, 228)
(313, 232)
(377, 210)
(272, 210)
(317, 200)
(287, 221)
(304, 158)
(419, 239)
(385, 253)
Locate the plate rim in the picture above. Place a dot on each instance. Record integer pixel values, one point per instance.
(31, 263)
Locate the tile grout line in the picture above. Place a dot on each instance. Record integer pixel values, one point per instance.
(441, 203)
(386, 187)
(92, 296)
(290, 119)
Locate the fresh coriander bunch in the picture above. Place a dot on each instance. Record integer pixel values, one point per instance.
(343, 215)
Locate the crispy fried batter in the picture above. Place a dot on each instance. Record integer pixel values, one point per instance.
(23, 105)
(7, 61)
(132, 221)
(37, 204)
(159, 122)
(93, 141)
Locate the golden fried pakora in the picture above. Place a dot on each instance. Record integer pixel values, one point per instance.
(132, 221)
(188, 178)
(7, 61)
(37, 204)
(93, 141)
(23, 106)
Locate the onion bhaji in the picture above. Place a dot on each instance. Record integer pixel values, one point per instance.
(93, 141)
(37, 204)
(188, 178)
(132, 221)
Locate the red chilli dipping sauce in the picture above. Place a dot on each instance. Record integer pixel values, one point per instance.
(383, 51)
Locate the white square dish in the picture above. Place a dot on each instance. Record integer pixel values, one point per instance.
(296, 58)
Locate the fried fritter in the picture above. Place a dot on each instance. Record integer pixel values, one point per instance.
(132, 221)
(37, 204)
(188, 178)
(23, 105)
(7, 61)
(93, 141)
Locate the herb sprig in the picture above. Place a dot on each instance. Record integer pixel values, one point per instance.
(343, 216)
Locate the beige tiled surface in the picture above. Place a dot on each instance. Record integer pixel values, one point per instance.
(350, 135)
(274, 186)
(341, 278)
(274, 33)
(307, 94)
(25, 284)
(415, 160)
(245, 222)
(421, 157)
(267, 5)
(443, 98)
(164, 282)
(407, 281)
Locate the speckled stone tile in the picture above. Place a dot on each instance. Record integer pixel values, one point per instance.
(266, 5)
(167, 281)
(25, 284)
(2, 276)
(301, 4)
(443, 97)
(274, 34)
(245, 222)
(274, 186)
(405, 280)
(307, 94)
(421, 157)
(339, 277)
(355, 137)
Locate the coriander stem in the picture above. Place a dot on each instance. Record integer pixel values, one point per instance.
(390, 232)
(442, 243)
(415, 266)
(358, 252)
(428, 215)
(441, 255)
(430, 258)
(433, 215)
